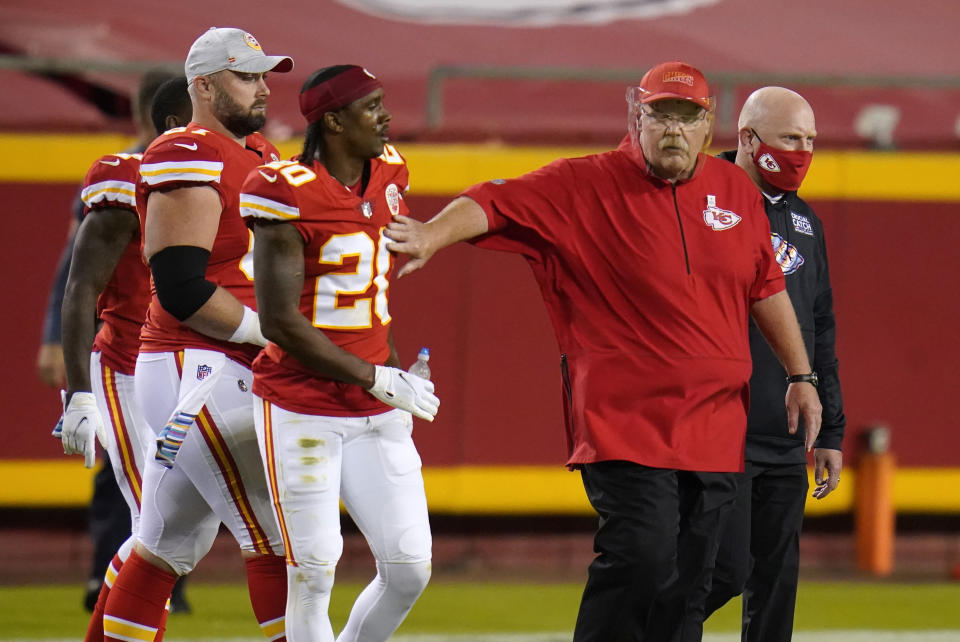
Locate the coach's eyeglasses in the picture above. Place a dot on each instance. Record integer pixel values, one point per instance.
(686, 122)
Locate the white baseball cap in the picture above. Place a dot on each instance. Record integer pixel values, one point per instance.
(222, 48)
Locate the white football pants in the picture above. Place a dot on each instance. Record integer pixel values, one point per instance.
(126, 429)
(370, 463)
(217, 475)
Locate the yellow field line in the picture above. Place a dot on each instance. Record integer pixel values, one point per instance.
(485, 490)
(446, 169)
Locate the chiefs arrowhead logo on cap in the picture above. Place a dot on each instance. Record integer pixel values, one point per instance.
(766, 161)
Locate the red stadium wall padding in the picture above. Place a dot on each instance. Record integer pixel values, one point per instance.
(36, 219)
(494, 358)
(895, 291)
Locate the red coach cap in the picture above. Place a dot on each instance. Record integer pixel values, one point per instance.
(675, 80)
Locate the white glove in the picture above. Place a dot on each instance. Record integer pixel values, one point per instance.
(81, 423)
(405, 391)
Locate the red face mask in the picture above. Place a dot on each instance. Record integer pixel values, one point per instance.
(782, 168)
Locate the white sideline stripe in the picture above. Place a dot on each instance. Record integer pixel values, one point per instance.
(841, 635)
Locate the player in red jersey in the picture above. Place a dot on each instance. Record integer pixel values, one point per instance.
(109, 280)
(333, 406)
(198, 341)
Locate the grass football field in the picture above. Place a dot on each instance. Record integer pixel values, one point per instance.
(512, 612)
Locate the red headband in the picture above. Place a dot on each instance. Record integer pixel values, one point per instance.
(336, 92)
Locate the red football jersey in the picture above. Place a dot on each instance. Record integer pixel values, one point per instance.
(111, 183)
(649, 285)
(188, 156)
(347, 272)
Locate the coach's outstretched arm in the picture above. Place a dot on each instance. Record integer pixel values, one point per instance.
(777, 321)
(460, 220)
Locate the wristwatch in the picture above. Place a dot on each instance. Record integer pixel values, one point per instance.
(811, 378)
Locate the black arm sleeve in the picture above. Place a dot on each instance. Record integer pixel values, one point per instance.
(179, 276)
(825, 362)
(51, 322)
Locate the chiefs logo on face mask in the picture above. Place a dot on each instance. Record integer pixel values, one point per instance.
(766, 162)
(719, 220)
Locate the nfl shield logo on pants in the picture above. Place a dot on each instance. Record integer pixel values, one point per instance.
(203, 371)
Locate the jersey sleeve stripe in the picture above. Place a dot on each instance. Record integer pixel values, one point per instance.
(105, 191)
(171, 171)
(259, 207)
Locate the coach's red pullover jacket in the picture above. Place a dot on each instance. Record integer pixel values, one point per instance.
(649, 286)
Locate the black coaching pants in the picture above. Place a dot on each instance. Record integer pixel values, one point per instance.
(759, 553)
(656, 542)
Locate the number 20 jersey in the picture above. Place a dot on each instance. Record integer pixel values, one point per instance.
(347, 271)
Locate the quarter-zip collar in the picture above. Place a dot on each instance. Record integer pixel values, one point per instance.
(635, 154)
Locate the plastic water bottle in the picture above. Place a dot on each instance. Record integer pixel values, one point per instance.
(421, 368)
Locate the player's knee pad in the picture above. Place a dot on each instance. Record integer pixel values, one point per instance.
(405, 580)
(317, 549)
(304, 581)
(183, 554)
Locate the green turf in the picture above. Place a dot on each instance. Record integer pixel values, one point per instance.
(863, 605)
(447, 607)
(882, 606)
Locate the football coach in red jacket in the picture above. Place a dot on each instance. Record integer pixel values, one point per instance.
(651, 258)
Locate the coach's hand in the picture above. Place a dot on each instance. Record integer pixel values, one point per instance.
(830, 461)
(802, 401)
(405, 391)
(461, 219)
(411, 237)
(82, 424)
